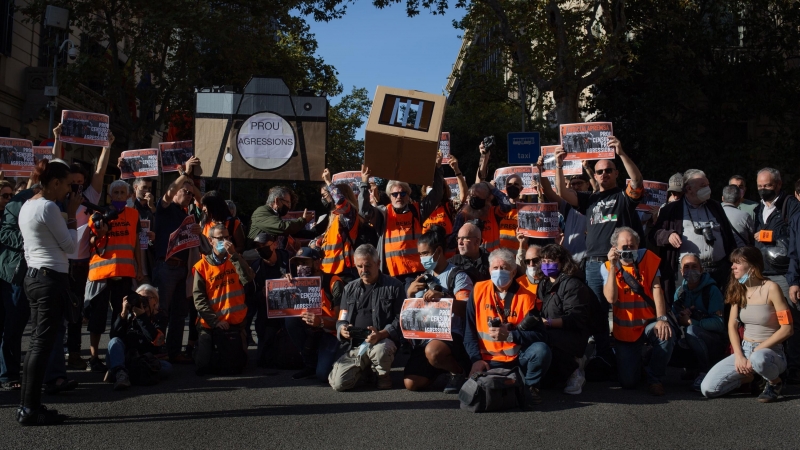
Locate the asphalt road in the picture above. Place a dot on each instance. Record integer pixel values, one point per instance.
(256, 410)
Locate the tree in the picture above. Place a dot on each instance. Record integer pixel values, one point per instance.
(171, 50)
(345, 151)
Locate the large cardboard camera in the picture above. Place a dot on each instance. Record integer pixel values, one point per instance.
(402, 136)
(263, 132)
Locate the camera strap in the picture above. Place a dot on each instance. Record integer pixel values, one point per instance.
(505, 312)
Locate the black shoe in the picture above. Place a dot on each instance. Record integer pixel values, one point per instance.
(40, 416)
(771, 393)
(66, 385)
(308, 372)
(534, 397)
(95, 365)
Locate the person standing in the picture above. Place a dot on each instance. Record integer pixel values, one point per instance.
(747, 205)
(741, 222)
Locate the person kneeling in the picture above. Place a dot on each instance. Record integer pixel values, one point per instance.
(219, 280)
(139, 333)
(368, 324)
(493, 338)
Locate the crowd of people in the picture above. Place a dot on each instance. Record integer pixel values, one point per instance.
(711, 287)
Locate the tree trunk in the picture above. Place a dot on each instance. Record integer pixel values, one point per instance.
(566, 98)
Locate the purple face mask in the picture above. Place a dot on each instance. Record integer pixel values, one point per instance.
(550, 269)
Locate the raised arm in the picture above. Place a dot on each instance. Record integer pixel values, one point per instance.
(369, 212)
(462, 181)
(544, 182)
(568, 195)
(483, 164)
(432, 200)
(630, 166)
(57, 141)
(102, 165)
(589, 171)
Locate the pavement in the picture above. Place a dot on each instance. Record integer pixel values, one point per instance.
(258, 410)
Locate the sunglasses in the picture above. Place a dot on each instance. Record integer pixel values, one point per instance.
(401, 194)
(603, 171)
(6, 196)
(532, 261)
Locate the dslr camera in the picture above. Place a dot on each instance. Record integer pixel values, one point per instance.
(708, 233)
(495, 322)
(100, 214)
(488, 143)
(135, 300)
(357, 333)
(432, 282)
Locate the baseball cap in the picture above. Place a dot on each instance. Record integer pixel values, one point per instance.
(308, 252)
(263, 238)
(676, 183)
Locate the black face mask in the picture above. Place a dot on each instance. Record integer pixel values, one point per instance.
(282, 210)
(512, 191)
(767, 194)
(476, 203)
(326, 203)
(265, 252)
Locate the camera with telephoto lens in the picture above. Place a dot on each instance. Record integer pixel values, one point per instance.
(100, 214)
(531, 322)
(432, 282)
(488, 143)
(135, 300)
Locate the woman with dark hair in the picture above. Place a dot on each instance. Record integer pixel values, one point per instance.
(758, 303)
(442, 215)
(48, 239)
(338, 242)
(216, 211)
(565, 307)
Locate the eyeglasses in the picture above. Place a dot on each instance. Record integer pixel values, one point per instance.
(7, 196)
(401, 194)
(222, 238)
(603, 171)
(532, 261)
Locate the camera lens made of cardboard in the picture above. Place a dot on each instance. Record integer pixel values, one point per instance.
(266, 141)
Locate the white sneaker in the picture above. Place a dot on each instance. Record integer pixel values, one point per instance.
(575, 383)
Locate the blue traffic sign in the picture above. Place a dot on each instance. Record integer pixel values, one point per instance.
(523, 148)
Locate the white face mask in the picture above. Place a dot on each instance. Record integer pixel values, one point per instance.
(532, 271)
(704, 194)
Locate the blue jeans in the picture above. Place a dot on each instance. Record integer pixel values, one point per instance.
(534, 361)
(16, 312)
(629, 358)
(318, 351)
(594, 280)
(171, 284)
(707, 346)
(722, 378)
(116, 358)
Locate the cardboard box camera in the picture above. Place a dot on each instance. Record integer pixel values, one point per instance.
(402, 135)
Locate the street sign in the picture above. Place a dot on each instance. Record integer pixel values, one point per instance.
(523, 148)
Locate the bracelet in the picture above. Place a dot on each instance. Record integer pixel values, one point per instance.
(559, 167)
(459, 174)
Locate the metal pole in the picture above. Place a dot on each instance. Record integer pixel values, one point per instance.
(53, 99)
(522, 101)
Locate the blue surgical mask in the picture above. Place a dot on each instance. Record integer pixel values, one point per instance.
(501, 277)
(221, 246)
(744, 278)
(428, 262)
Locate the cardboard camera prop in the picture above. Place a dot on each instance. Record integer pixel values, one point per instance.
(263, 133)
(402, 135)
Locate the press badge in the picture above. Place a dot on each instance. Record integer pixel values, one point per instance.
(784, 317)
(343, 314)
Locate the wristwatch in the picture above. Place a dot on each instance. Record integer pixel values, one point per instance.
(510, 337)
(662, 319)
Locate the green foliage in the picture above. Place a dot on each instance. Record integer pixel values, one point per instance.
(345, 151)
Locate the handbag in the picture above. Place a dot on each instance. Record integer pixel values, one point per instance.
(493, 390)
(73, 307)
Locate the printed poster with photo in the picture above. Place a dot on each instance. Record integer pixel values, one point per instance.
(587, 140)
(16, 157)
(570, 167)
(427, 320)
(444, 147)
(84, 128)
(527, 174)
(42, 152)
(455, 190)
(353, 178)
(144, 242)
(655, 195)
(139, 163)
(182, 238)
(175, 154)
(538, 220)
(292, 298)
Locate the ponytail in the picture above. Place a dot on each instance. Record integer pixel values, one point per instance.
(52, 170)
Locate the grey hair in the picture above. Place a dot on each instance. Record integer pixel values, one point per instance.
(118, 183)
(392, 183)
(231, 207)
(140, 180)
(148, 288)
(731, 194)
(691, 174)
(276, 193)
(689, 254)
(620, 230)
(367, 250)
(775, 173)
(506, 256)
(217, 226)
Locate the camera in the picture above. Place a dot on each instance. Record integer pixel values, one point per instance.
(99, 214)
(135, 300)
(72, 53)
(531, 322)
(488, 143)
(627, 253)
(357, 333)
(708, 235)
(432, 282)
(495, 322)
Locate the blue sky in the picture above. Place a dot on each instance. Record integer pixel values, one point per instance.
(371, 47)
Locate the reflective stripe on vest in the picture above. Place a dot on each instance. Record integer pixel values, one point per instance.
(491, 232)
(209, 224)
(484, 297)
(224, 291)
(631, 312)
(337, 250)
(508, 231)
(118, 247)
(400, 242)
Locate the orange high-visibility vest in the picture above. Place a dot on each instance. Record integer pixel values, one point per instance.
(525, 283)
(491, 232)
(337, 249)
(400, 241)
(442, 217)
(207, 227)
(117, 246)
(508, 230)
(632, 313)
(224, 290)
(329, 317)
(488, 305)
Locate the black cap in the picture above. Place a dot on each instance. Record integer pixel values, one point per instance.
(308, 252)
(263, 238)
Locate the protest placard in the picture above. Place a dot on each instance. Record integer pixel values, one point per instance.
(84, 128)
(353, 178)
(182, 238)
(139, 163)
(538, 220)
(291, 215)
(587, 140)
(144, 241)
(444, 147)
(655, 195)
(16, 157)
(427, 320)
(175, 154)
(42, 152)
(455, 190)
(292, 298)
(526, 172)
(570, 167)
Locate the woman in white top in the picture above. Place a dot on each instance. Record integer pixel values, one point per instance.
(759, 304)
(48, 238)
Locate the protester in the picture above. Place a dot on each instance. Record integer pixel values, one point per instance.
(508, 222)
(747, 205)
(758, 303)
(400, 225)
(698, 307)
(341, 235)
(574, 222)
(472, 258)
(268, 218)
(532, 261)
(741, 223)
(139, 332)
(433, 357)
(481, 210)
(632, 284)
(493, 337)
(580, 183)
(47, 242)
(144, 202)
(218, 291)
(216, 211)
(675, 188)
(369, 322)
(442, 216)
(793, 280)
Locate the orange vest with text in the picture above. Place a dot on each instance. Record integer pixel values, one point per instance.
(488, 305)
(400, 241)
(632, 313)
(224, 291)
(525, 283)
(491, 232)
(442, 217)
(508, 231)
(117, 247)
(337, 248)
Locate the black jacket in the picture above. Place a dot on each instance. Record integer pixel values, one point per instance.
(386, 300)
(478, 269)
(143, 334)
(567, 299)
(776, 223)
(793, 275)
